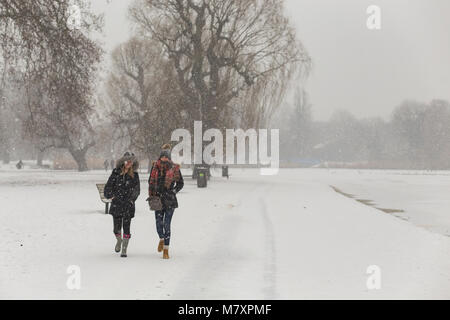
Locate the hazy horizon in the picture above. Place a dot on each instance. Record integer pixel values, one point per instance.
(363, 71)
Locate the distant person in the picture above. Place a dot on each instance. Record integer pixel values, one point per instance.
(19, 165)
(113, 164)
(123, 187)
(165, 182)
(106, 165)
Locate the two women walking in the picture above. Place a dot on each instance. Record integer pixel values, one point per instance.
(123, 187)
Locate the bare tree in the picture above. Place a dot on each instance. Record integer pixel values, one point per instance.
(422, 133)
(11, 116)
(5, 132)
(233, 58)
(407, 122)
(143, 97)
(436, 131)
(300, 124)
(59, 63)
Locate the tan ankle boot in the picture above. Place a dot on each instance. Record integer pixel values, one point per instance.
(160, 245)
(166, 253)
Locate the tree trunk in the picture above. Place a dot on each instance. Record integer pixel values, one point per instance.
(6, 157)
(4, 146)
(40, 158)
(80, 157)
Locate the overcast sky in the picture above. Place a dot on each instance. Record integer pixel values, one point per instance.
(367, 72)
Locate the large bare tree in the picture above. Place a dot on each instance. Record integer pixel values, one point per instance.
(143, 97)
(52, 48)
(233, 58)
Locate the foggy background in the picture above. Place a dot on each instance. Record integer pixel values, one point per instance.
(82, 82)
(364, 71)
(370, 99)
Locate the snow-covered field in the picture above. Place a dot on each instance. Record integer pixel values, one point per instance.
(289, 236)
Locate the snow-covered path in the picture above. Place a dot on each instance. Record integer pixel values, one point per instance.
(288, 236)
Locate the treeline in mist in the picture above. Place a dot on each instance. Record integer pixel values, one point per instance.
(416, 136)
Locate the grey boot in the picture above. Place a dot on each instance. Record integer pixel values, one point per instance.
(119, 242)
(124, 247)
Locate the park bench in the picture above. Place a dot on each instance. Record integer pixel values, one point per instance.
(101, 189)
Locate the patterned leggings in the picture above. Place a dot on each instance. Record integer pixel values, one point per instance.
(124, 223)
(163, 220)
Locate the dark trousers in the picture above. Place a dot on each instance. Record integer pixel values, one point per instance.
(163, 220)
(120, 223)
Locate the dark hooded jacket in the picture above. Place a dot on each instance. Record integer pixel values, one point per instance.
(123, 189)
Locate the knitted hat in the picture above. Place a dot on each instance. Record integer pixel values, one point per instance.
(166, 151)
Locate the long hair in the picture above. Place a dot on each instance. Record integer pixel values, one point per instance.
(130, 171)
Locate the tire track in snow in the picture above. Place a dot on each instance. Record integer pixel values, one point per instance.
(196, 284)
(270, 265)
(220, 255)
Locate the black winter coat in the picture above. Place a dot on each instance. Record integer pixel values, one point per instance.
(124, 190)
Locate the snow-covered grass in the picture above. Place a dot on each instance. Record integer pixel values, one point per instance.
(289, 236)
(421, 197)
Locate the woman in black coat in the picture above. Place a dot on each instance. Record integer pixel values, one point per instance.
(123, 187)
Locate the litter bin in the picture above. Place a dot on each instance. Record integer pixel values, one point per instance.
(225, 171)
(201, 166)
(202, 177)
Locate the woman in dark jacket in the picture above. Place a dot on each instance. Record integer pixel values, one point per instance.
(165, 181)
(123, 187)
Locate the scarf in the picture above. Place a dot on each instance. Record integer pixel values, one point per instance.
(172, 173)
